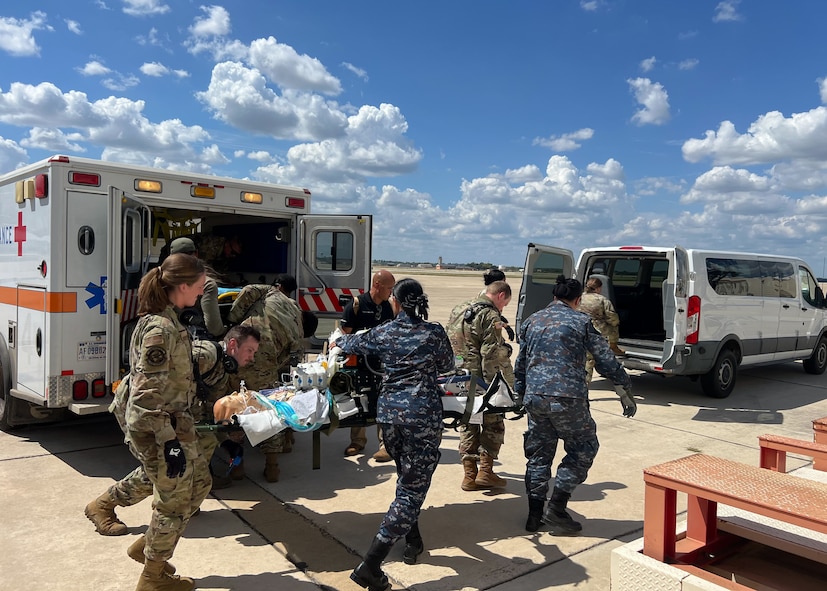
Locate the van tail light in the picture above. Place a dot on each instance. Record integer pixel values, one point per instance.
(693, 320)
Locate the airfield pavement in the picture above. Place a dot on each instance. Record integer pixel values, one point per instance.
(308, 531)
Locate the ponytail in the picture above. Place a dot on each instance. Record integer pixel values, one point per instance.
(408, 292)
(177, 269)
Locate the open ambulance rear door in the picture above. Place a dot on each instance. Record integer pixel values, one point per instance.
(126, 262)
(333, 266)
(542, 266)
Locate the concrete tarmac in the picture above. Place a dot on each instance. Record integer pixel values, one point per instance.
(309, 530)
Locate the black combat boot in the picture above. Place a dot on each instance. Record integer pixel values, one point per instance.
(556, 516)
(535, 514)
(413, 545)
(369, 572)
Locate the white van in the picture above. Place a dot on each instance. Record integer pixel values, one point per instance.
(696, 313)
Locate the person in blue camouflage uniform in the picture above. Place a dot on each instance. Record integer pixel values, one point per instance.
(153, 405)
(550, 377)
(409, 411)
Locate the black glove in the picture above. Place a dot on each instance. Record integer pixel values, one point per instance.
(508, 330)
(628, 401)
(175, 458)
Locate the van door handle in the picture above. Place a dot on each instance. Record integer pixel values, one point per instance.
(785, 306)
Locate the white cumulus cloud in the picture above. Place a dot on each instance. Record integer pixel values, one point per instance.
(145, 7)
(654, 100)
(284, 66)
(565, 142)
(17, 35)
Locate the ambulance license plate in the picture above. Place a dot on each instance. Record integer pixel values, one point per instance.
(91, 350)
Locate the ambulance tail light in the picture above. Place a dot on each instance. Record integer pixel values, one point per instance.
(98, 388)
(80, 390)
(41, 186)
(693, 320)
(295, 202)
(84, 178)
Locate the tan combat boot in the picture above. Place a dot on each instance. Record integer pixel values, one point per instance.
(271, 467)
(469, 480)
(136, 553)
(153, 578)
(101, 512)
(486, 477)
(382, 455)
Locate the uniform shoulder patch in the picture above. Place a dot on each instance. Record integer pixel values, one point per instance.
(156, 356)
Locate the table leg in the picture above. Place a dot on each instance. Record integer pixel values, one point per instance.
(660, 506)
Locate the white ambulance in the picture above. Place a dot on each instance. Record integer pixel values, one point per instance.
(77, 235)
(696, 313)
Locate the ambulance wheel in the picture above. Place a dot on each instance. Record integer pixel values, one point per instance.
(817, 362)
(7, 403)
(719, 381)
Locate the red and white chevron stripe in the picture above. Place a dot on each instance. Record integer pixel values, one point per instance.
(317, 299)
(129, 297)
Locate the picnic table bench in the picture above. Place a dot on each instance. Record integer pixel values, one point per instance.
(709, 480)
(820, 436)
(774, 449)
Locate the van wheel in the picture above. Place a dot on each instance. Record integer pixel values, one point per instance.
(817, 362)
(719, 381)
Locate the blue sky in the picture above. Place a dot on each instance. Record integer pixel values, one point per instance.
(467, 128)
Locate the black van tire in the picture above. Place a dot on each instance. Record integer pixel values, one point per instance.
(817, 362)
(719, 381)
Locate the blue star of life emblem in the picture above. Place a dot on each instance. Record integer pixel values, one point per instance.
(98, 295)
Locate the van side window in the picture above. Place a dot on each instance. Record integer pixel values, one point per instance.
(769, 279)
(546, 269)
(734, 277)
(810, 290)
(333, 251)
(778, 279)
(660, 271)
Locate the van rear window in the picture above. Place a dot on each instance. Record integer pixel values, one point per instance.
(744, 277)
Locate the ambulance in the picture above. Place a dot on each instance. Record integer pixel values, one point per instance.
(77, 235)
(694, 312)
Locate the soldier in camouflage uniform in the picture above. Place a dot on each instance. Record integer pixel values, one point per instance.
(215, 363)
(550, 377)
(604, 318)
(279, 321)
(240, 344)
(409, 411)
(475, 331)
(153, 405)
(207, 303)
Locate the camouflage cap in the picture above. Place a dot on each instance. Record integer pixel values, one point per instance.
(185, 245)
